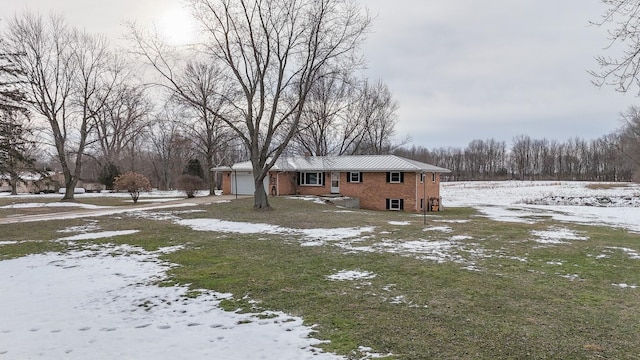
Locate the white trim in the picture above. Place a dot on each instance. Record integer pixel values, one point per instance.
(391, 181)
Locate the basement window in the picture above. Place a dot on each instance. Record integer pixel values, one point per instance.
(395, 204)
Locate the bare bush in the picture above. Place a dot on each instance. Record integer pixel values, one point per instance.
(133, 183)
(190, 184)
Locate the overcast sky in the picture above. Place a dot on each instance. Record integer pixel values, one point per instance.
(460, 70)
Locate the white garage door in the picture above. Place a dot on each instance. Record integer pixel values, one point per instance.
(243, 181)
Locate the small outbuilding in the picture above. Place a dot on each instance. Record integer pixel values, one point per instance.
(379, 182)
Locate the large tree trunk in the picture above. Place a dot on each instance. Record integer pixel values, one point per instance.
(14, 185)
(211, 175)
(260, 198)
(70, 186)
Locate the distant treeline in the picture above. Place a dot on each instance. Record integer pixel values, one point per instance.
(610, 158)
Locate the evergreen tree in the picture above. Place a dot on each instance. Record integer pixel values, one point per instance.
(108, 175)
(194, 168)
(14, 158)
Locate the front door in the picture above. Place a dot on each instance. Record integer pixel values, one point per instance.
(335, 182)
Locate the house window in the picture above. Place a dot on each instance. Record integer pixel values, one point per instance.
(354, 177)
(433, 177)
(395, 204)
(422, 176)
(311, 179)
(395, 177)
(421, 204)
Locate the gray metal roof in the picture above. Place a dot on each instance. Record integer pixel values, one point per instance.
(370, 163)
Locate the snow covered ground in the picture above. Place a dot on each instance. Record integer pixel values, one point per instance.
(524, 201)
(100, 303)
(103, 302)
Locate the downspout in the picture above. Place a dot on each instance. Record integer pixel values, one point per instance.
(235, 180)
(424, 198)
(417, 193)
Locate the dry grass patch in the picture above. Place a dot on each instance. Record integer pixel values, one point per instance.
(605, 186)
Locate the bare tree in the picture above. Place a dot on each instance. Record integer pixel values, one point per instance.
(65, 71)
(629, 145)
(344, 115)
(379, 125)
(272, 52)
(121, 122)
(169, 150)
(623, 19)
(323, 116)
(201, 87)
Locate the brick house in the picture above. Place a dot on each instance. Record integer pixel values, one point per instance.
(380, 182)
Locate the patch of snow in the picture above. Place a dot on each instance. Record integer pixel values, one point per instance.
(452, 221)
(231, 226)
(53, 205)
(96, 213)
(399, 223)
(473, 268)
(156, 200)
(369, 354)
(556, 235)
(571, 277)
(312, 237)
(321, 236)
(400, 299)
(314, 199)
(89, 226)
(626, 286)
(633, 254)
(460, 238)
(438, 251)
(349, 275)
(444, 229)
(102, 303)
(8, 242)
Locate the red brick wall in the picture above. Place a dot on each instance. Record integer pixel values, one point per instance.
(286, 183)
(372, 191)
(226, 183)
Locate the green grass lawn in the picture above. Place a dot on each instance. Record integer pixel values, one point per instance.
(496, 293)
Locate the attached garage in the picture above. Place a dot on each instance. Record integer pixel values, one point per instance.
(243, 181)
